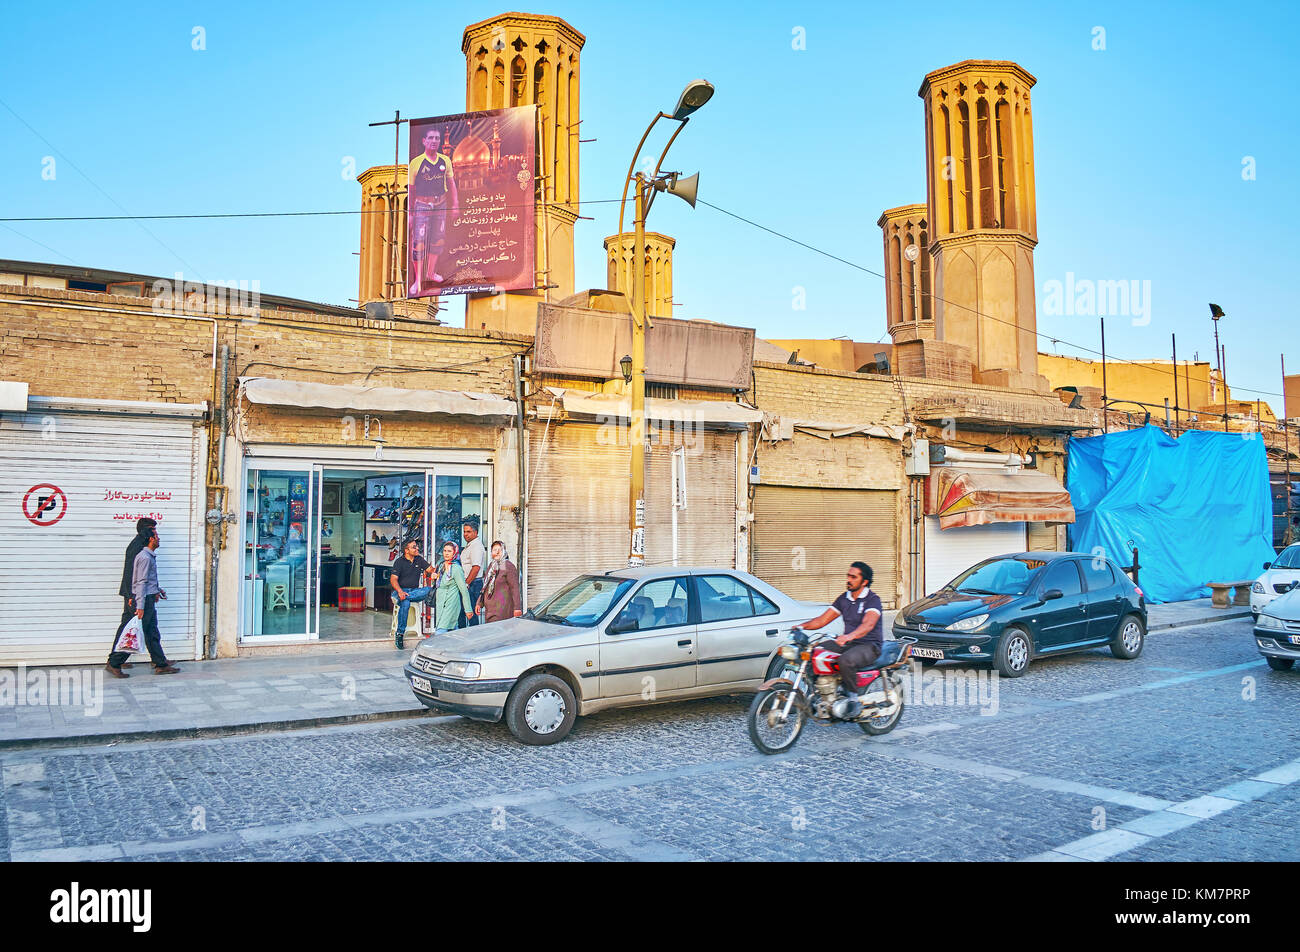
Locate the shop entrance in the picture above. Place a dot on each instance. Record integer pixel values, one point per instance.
(320, 539)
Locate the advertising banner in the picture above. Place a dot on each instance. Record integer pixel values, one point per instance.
(470, 203)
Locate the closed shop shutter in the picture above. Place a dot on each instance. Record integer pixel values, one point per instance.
(949, 552)
(1041, 536)
(805, 539)
(577, 510)
(706, 528)
(59, 601)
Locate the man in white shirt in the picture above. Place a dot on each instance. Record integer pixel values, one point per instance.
(473, 560)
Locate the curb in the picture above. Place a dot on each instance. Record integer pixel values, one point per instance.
(213, 731)
(1221, 615)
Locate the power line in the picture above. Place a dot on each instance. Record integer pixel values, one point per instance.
(934, 297)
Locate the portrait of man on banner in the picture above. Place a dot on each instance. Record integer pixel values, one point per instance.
(471, 204)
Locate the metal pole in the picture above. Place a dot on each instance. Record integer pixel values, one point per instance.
(219, 527)
(1105, 427)
(636, 421)
(521, 519)
(1177, 421)
(1223, 380)
(1286, 445)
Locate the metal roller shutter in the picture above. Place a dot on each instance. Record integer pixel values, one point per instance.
(805, 539)
(577, 510)
(59, 601)
(577, 506)
(949, 552)
(1041, 536)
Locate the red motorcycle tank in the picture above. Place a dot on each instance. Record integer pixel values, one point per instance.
(825, 661)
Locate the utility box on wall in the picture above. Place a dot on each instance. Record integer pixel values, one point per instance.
(917, 462)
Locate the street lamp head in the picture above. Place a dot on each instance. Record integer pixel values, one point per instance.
(625, 365)
(1216, 312)
(695, 95)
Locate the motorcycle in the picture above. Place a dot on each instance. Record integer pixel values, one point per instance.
(783, 705)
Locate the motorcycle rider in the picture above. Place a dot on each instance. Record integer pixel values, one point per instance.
(863, 636)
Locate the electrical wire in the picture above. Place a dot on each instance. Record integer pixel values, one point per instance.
(934, 297)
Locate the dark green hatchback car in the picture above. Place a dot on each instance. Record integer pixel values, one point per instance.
(1011, 609)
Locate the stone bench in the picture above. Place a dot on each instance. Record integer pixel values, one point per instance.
(1240, 593)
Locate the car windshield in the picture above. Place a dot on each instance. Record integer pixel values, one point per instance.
(998, 577)
(583, 602)
(1289, 558)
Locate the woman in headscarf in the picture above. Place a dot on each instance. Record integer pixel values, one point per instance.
(452, 598)
(501, 597)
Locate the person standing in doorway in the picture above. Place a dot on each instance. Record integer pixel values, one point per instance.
(144, 527)
(408, 572)
(452, 605)
(473, 559)
(501, 597)
(146, 591)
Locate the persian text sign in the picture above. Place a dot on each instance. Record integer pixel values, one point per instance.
(470, 204)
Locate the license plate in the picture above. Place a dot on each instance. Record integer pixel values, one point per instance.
(936, 653)
(1294, 639)
(421, 684)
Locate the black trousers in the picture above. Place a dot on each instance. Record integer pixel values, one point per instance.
(128, 609)
(152, 636)
(853, 658)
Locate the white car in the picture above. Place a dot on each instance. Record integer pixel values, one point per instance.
(1279, 575)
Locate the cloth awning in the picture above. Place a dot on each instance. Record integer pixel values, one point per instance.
(978, 497)
(713, 413)
(327, 396)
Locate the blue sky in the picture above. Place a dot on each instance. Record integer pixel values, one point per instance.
(1139, 147)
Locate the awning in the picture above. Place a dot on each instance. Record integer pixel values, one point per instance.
(715, 413)
(978, 497)
(325, 396)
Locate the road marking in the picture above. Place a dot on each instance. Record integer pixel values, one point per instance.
(608, 834)
(1177, 817)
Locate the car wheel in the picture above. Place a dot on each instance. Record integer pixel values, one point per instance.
(541, 710)
(1014, 652)
(1129, 639)
(1280, 664)
(776, 668)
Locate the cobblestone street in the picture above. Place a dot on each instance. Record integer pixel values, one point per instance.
(1188, 753)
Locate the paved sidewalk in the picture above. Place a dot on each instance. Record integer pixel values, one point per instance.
(227, 696)
(238, 695)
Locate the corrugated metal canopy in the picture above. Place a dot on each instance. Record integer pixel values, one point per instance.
(718, 413)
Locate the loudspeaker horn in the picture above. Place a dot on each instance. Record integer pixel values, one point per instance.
(685, 188)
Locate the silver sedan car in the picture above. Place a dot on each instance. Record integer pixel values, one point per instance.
(631, 636)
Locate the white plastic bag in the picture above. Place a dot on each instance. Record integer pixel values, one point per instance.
(132, 638)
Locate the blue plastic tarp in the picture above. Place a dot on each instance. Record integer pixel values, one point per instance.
(1197, 508)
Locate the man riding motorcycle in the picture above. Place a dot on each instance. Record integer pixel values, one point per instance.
(863, 636)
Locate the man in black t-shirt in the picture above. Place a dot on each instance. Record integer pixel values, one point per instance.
(863, 636)
(408, 571)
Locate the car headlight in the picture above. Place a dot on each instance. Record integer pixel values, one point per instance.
(415, 656)
(1268, 621)
(1258, 587)
(789, 652)
(461, 669)
(969, 624)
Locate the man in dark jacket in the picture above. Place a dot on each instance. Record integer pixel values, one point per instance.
(143, 530)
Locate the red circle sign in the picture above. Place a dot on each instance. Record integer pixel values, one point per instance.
(45, 504)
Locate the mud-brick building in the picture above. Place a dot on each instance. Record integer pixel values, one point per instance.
(342, 436)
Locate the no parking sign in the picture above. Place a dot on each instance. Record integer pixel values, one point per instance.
(45, 504)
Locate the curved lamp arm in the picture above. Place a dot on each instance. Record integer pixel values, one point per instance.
(622, 205)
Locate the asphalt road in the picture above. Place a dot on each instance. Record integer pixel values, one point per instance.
(1188, 753)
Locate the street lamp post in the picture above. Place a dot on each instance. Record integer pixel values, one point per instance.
(695, 95)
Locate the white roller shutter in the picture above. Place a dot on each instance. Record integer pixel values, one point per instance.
(805, 539)
(949, 552)
(59, 601)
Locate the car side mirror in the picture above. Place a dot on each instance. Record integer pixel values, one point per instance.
(621, 625)
(1052, 593)
(1267, 565)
